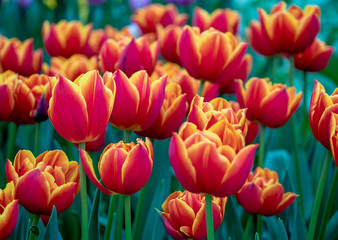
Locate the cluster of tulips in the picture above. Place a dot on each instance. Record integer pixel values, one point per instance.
(102, 76)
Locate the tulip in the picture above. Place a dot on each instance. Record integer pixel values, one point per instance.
(224, 20)
(272, 105)
(202, 164)
(168, 38)
(65, 38)
(80, 110)
(263, 194)
(322, 106)
(334, 136)
(212, 55)
(43, 182)
(183, 215)
(171, 116)
(123, 167)
(148, 17)
(315, 58)
(20, 57)
(95, 42)
(139, 100)
(115, 34)
(9, 211)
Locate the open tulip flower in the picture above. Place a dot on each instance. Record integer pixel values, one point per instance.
(123, 167)
(272, 105)
(224, 20)
(210, 56)
(139, 100)
(202, 164)
(9, 211)
(168, 38)
(184, 215)
(322, 106)
(80, 110)
(149, 17)
(284, 31)
(315, 58)
(65, 38)
(50, 179)
(263, 194)
(20, 57)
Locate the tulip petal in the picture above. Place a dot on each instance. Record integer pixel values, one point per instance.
(181, 214)
(8, 219)
(272, 196)
(249, 197)
(63, 197)
(288, 198)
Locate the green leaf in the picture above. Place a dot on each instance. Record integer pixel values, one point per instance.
(52, 230)
(94, 228)
(276, 228)
(232, 219)
(331, 228)
(256, 236)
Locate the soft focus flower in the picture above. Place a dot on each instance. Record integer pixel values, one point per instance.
(139, 100)
(183, 215)
(322, 106)
(334, 136)
(202, 164)
(123, 167)
(80, 110)
(137, 4)
(171, 116)
(210, 56)
(50, 179)
(168, 38)
(289, 31)
(20, 57)
(263, 194)
(65, 38)
(272, 105)
(113, 33)
(148, 17)
(9, 211)
(94, 43)
(224, 20)
(315, 58)
(24, 3)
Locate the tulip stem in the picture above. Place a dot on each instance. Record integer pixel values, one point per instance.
(305, 94)
(119, 223)
(13, 130)
(83, 193)
(139, 208)
(259, 225)
(328, 207)
(319, 195)
(291, 70)
(110, 217)
(127, 216)
(209, 217)
(248, 227)
(37, 139)
(261, 146)
(126, 136)
(33, 232)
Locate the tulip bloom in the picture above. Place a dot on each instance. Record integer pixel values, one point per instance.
(123, 167)
(95, 42)
(9, 211)
(139, 100)
(80, 110)
(210, 56)
(168, 38)
(322, 106)
(202, 164)
(20, 57)
(263, 194)
(148, 17)
(65, 38)
(184, 215)
(224, 20)
(315, 58)
(50, 179)
(272, 105)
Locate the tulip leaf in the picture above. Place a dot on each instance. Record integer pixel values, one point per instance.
(94, 228)
(52, 230)
(276, 228)
(232, 219)
(256, 236)
(331, 228)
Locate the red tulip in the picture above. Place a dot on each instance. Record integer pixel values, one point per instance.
(95, 42)
(334, 136)
(168, 38)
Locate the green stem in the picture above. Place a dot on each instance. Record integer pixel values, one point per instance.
(126, 136)
(319, 195)
(274, 69)
(259, 225)
(208, 215)
(37, 139)
(137, 219)
(304, 94)
(83, 193)
(127, 216)
(261, 146)
(119, 224)
(248, 227)
(35, 222)
(329, 204)
(110, 217)
(13, 130)
(291, 71)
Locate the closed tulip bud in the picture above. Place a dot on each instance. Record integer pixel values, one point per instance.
(334, 136)
(9, 211)
(272, 105)
(263, 194)
(315, 58)
(123, 167)
(8, 83)
(65, 38)
(43, 182)
(80, 110)
(20, 57)
(95, 42)
(224, 20)
(183, 215)
(109, 55)
(168, 38)
(322, 106)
